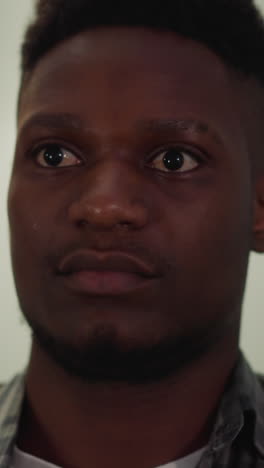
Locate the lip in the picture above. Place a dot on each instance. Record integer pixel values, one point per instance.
(105, 274)
(107, 283)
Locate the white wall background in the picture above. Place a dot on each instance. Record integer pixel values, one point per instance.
(14, 334)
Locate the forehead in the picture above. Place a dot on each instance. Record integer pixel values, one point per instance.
(132, 74)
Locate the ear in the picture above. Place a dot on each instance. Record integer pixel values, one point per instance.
(258, 220)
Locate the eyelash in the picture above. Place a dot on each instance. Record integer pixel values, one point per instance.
(181, 148)
(33, 152)
(177, 147)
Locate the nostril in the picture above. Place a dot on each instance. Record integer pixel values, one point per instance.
(83, 223)
(124, 223)
(105, 213)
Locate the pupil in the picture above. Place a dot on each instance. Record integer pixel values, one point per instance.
(173, 160)
(53, 155)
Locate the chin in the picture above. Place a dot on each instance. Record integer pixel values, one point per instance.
(104, 356)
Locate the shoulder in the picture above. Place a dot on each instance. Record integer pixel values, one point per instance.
(2, 387)
(260, 378)
(16, 381)
(12, 393)
(11, 400)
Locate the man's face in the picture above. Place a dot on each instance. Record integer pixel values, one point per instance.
(129, 142)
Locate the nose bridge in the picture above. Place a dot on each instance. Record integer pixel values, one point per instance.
(111, 193)
(113, 179)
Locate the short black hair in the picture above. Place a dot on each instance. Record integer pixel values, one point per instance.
(233, 29)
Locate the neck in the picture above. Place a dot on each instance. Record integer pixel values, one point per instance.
(70, 423)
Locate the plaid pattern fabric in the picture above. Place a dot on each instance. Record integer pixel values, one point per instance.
(237, 440)
(11, 399)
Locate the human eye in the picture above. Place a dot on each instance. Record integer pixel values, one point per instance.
(175, 160)
(55, 156)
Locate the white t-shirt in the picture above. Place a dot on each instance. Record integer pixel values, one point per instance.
(24, 460)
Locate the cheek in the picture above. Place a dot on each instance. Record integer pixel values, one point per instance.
(30, 225)
(209, 238)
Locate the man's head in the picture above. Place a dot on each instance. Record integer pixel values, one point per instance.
(138, 135)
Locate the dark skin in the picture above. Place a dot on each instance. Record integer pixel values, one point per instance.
(195, 226)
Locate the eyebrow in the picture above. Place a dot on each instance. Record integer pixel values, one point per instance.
(180, 125)
(67, 121)
(54, 121)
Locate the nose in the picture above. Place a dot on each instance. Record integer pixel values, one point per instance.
(110, 196)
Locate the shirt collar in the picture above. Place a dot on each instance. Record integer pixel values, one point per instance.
(242, 403)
